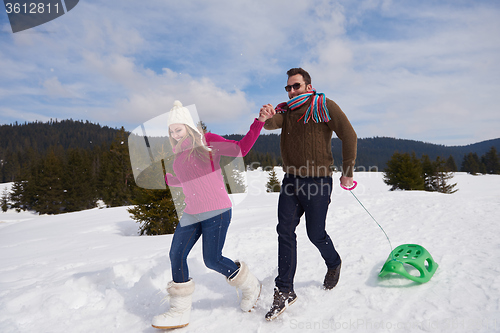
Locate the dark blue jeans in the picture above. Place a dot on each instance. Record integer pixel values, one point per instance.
(213, 230)
(299, 195)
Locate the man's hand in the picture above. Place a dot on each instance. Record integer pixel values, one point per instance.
(346, 181)
(266, 111)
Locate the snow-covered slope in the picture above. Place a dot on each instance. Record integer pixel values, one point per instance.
(90, 271)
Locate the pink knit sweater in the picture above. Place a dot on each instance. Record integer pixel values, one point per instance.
(201, 180)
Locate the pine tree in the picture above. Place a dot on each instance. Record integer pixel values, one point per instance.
(268, 161)
(442, 177)
(471, 164)
(273, 185)
(491, 161)
(50, 186)
(10, 166)
(429, 173)
(251, 160)
(156, 211)
(79, 189)
(5, 200)
(116, 182)
(17, 196)
(404, 172)
(450, 165)
(24, 191)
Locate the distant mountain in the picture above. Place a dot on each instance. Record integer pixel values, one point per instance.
(16, 139)
(375, 152)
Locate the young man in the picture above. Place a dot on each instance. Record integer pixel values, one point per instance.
(307, 122)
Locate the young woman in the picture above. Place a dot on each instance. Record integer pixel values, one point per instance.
(207, 213)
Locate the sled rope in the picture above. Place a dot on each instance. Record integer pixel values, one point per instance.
(350, 190)
(374, 220)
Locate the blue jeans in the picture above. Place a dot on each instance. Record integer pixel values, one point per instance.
(213, 230)
(299, 195)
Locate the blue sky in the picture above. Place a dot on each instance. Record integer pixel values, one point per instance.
(421, 70)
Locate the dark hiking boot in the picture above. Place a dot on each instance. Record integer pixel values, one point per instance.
(332, 277)
(281, 301)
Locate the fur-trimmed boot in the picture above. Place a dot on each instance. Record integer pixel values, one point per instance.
(249, 285)
(180, 306)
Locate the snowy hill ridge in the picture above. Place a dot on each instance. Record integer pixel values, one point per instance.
(90, 272)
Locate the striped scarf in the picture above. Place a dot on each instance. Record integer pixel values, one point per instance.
(317, 110)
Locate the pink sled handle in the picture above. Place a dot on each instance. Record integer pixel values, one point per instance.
(350, 188)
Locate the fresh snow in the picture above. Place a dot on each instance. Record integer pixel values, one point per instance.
(89, 271)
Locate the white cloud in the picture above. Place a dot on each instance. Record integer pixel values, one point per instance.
(22, 116)
(213, 103)
(54, 88)
(388, 64)
(427, 83)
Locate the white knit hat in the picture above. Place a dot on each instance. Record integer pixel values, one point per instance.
(180, 115)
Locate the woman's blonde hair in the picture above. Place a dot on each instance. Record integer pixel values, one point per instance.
(198, 148)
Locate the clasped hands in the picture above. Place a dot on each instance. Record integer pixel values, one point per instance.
(266, 112)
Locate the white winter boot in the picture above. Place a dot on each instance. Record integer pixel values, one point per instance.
(180, 306)
(249, 285)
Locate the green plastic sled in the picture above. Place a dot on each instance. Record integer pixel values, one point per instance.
(414, 255)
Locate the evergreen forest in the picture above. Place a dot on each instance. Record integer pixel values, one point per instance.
(68, 165)
(65, 166)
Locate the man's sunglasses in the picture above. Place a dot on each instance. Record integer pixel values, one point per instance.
(294, 86)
